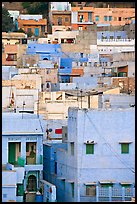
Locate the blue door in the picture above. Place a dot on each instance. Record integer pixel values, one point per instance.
(36, 31)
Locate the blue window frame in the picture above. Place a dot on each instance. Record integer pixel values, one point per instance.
(110, 18)
(105, 18)
(96, 18)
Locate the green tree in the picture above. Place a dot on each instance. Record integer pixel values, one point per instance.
(36, 8)
(7, 23)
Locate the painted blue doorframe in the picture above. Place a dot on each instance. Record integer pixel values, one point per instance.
(36, 31)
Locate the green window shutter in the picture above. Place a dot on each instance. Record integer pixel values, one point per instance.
(107, 185)
(72, 148)
(19, 146)
(27, 147)
(89, 148)
(124, 148)
(72, 187)
(20, 189)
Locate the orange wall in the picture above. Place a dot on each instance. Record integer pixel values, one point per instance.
(78, 71)
(101, 12)
(25, 24)
(76, 26)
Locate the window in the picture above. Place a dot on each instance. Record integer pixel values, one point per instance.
(111, 37)
(63, 183)
(72, 188)
(81, 55)
(59, 21)
(66, 19)
(19, 146)
(85, 64)
(125, 148)
(27, 147)
(42, 28)
(106, 185)
(80, 28)
(105, 18)
(118, 37)
(90, 16)
(119, 18)
(20, 189)
(55, 167)
(89, 148)
(96, 18)
(72, 148)
(11, 57)
(29, 30)
(81, 18)
(90, 190)
(4, 195)
(110, 18)
(115, 18)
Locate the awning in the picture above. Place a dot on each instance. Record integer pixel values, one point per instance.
(61, 178)
(106, 182)
(125, 183)
(70, 181)
(90, 183)
(90, 142)
(126, 142)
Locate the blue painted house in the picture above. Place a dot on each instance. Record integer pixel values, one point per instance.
(65, 69)
(22, 148)
(111, 35)
(46, 51)
(98, 163)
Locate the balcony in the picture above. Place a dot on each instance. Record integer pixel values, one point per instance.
(29, 161)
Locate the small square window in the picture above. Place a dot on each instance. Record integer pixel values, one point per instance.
(125, 148)
(72, 148)
(96, 18)
(66, 19)
(4, 195)
(118, 37)
(90, 190)
(105, 18)
(110, 18)
(89, 148)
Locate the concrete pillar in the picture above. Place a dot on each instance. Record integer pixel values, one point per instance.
(110, 193)
(97, 193)
(53, 96)
(23, 148)
(63, 96)
(123, 193)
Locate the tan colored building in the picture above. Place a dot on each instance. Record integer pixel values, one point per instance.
(54, 105)
(13, 38)
(126, 84)
(12, 54)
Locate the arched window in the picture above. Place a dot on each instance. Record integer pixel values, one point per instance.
(32, 183)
